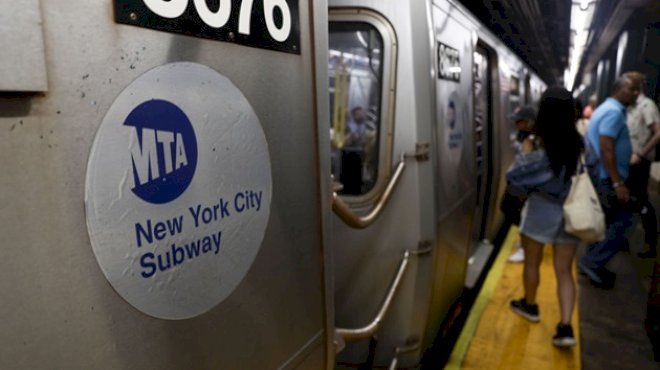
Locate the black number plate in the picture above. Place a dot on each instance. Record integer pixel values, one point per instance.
(266, 24)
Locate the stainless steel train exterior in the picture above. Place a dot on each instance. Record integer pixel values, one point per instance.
(389, 229)
(58, 310)
(449, 85)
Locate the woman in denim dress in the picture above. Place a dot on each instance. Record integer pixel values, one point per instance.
(543, 171)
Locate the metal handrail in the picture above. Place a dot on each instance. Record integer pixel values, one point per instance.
(360, 222)
(398, 350)
(351, 335)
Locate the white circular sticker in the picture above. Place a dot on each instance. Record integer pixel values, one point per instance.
(452, 140)
(178, 190)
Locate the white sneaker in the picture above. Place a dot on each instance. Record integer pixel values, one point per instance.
(518, 256)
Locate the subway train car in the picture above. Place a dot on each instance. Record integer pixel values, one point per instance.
(161, 201)
(414, 225)
(246, 184)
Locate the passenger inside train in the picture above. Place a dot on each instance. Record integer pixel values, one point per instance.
(358, 153)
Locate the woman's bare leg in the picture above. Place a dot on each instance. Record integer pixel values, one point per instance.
(533, 258)
(563, 261)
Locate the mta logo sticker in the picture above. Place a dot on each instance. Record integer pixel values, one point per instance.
(174, 241)
(163, 151)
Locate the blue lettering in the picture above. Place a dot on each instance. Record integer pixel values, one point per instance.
(139, 230)
(192, 249)
(159, 230)
(206, 244)
(178, 251)
(151, 265)
(247, 200)
(238, 208)
(224, 212)
(175, 226)
(257, 197)
(195, 214)
(217, 242)
(177, 255)
(160, 262)
(207, 215)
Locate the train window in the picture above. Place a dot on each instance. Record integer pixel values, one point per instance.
(356, 88)
(515, 86)
(514, 102)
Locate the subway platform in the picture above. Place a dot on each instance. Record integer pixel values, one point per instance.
(608, 324)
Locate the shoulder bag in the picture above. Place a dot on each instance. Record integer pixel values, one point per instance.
(583, 214)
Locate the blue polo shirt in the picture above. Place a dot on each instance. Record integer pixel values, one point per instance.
(609, 119)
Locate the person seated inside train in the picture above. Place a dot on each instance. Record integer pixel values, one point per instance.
(358, 147)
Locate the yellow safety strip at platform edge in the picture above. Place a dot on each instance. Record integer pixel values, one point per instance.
(472, 322)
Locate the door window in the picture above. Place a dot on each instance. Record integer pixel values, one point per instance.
(356, 74)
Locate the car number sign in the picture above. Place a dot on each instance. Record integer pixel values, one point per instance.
(266, 24)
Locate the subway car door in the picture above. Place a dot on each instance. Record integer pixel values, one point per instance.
(375, 229)
(454, 159)
(161, 198)
(482, 126)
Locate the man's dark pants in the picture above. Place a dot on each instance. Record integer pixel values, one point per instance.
(638, 182)
(618, 218)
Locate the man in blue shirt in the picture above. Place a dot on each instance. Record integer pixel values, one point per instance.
(609, 139)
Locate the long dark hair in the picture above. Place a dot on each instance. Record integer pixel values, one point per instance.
(555, 125)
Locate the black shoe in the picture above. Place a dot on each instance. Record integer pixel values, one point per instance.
(607, 279)
(528, 311)
(564, 337)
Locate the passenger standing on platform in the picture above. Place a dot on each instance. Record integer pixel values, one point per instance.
(590, 107)
(523, 118)
(581, 123)
(608, 138)
(543, 170)
(643, 122)
(585, 115)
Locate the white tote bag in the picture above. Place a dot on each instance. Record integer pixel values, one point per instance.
(583, 214)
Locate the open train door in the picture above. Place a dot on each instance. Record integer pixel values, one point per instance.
(161, 198)
(483, 143)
